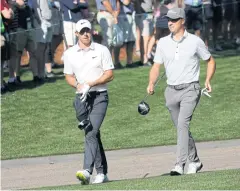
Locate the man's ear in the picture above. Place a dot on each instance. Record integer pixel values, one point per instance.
(183, 21)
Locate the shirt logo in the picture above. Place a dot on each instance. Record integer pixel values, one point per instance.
(94, 57)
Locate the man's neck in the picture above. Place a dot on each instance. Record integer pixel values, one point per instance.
(178, 36)
(84, 46)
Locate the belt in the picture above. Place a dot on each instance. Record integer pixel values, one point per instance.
(93, 93)
(129, 13)
(182, 86)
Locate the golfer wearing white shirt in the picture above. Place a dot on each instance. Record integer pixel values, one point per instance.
(88, 67)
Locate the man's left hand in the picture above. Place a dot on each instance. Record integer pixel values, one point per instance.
(208, 86)
(84, 91)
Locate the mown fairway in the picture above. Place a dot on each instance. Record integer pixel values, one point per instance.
(41, 121)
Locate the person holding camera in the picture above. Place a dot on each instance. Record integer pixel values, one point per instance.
(182, 66)
(88, 67)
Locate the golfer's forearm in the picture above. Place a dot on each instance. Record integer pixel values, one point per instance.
(154, 73)
(105, 78)
(211, 67)
(71, 80)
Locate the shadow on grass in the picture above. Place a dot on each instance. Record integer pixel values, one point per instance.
(135, 64)
(30, 84)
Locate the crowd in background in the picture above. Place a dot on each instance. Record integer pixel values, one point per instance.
(40, 26)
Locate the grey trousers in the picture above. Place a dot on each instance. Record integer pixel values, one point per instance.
(181, 105)
(94, 151)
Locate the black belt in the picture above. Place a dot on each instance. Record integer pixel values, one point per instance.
(182, 86)
(93, 93)
(129, 13)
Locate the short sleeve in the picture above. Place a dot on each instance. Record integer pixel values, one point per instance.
(202, 50)
(107, 62)
(67, 65)
(158, 58)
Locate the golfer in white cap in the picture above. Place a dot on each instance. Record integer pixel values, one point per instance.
(180, 52)
(88, 67)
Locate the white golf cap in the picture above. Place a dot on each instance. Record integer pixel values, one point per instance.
(83, 23)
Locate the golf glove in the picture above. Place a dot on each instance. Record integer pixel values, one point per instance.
(84, 92)
(205, 92)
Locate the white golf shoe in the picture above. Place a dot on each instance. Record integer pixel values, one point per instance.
(176, 171)
(83, 176)
(194, 167)
(100, 178)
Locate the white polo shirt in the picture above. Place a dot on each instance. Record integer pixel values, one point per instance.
(181, 58)
(88, 64)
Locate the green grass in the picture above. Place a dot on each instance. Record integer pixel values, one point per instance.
(41, 121)
(218, 180)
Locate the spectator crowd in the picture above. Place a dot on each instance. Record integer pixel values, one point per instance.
(40, 26)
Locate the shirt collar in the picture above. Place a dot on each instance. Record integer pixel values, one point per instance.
(183, 37)
(78, 49)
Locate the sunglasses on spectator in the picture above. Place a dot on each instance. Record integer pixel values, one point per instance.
(173, 20)
(85, 30)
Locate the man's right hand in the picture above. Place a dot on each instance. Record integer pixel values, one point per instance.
(150, 89)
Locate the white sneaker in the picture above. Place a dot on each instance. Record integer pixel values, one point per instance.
(178, 170)
(100, 178)
(83, 176)
(194, 167)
